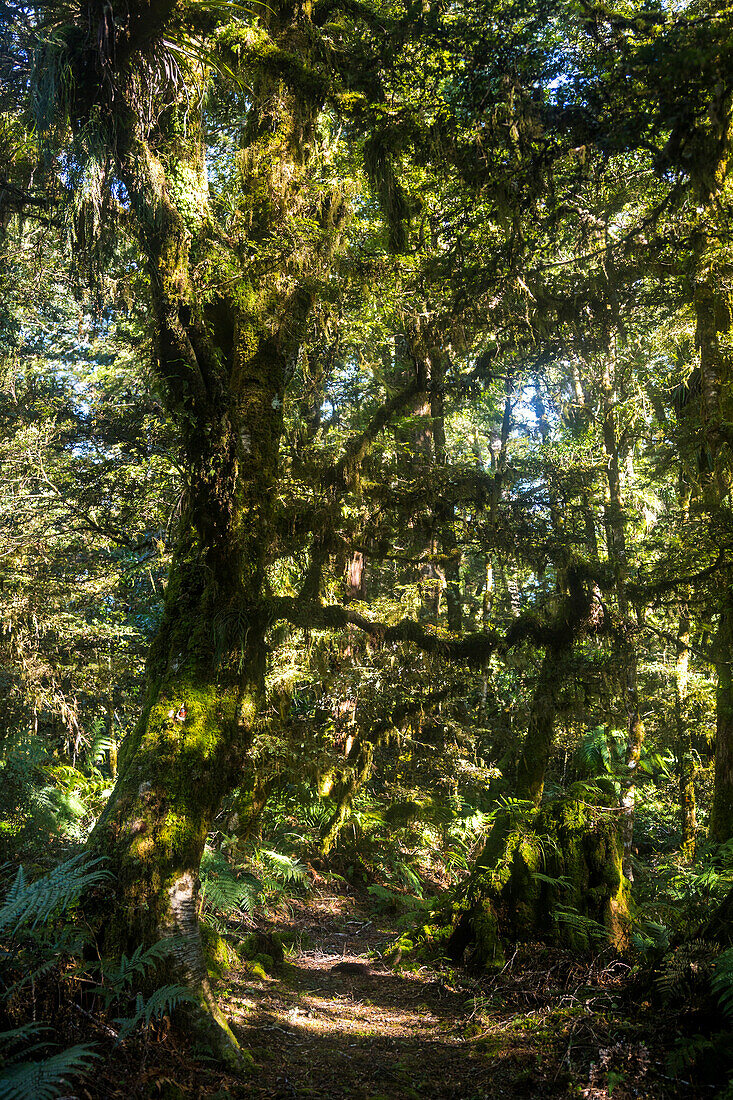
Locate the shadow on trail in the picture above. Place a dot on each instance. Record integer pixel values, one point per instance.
(381, 1036)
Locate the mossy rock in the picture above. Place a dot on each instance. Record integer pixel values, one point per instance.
(256, 969)
(265, 948)
(266, 962)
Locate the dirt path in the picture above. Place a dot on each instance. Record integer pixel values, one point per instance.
(360, 1030)
(429, 1034)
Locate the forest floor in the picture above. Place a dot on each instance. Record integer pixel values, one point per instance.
(547, 1025)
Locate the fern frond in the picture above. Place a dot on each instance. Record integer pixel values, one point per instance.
(562, 882)
(37, 902)
(688, 969)
(118, 977)
(286, 868)
(408, 877)
(19, 1037)
(68, 943)
(580, 923)
(225, 889)
(722, 981)
(161, 1003)
(46, 1079)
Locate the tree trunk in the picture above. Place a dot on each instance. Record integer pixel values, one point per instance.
(713, 302)
(205, 684)
(616, 536)
(683, 741)
(721, 818)
(360, 760)
(562, 838)
(684, 756)
(449, 543)
(223, 362)
(537, 744)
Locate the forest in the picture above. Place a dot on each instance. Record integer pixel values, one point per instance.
(366, 549)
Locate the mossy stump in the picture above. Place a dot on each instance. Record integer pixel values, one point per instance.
(554, 876)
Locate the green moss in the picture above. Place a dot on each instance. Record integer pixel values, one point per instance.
(188, 191)
(220, 956)
(488, 948)
(554, 874)
(266, 962)
(256, 969)
(401, 948)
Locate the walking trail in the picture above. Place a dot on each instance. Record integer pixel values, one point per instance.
(336, 1021)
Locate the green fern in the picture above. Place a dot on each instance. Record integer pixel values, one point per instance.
(161, 1003)
(585, 926)
(407, 877)
(118, 977)
(102, 743)
(34, 903)
(688, 970)
(283, 868)
(226, 890)
(44, 1079)
(562, 882)
(69, 942)
(722, 981)
(650, 935)
(600, 751)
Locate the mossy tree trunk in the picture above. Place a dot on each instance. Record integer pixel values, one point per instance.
(713, 301)
(224, 349)
(225, 377)
(537, 745)
(448, 540)
(555, 874)
(359, 762)
(503, 898)
(683, 738)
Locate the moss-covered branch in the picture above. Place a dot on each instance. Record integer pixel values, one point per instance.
(544, 628)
